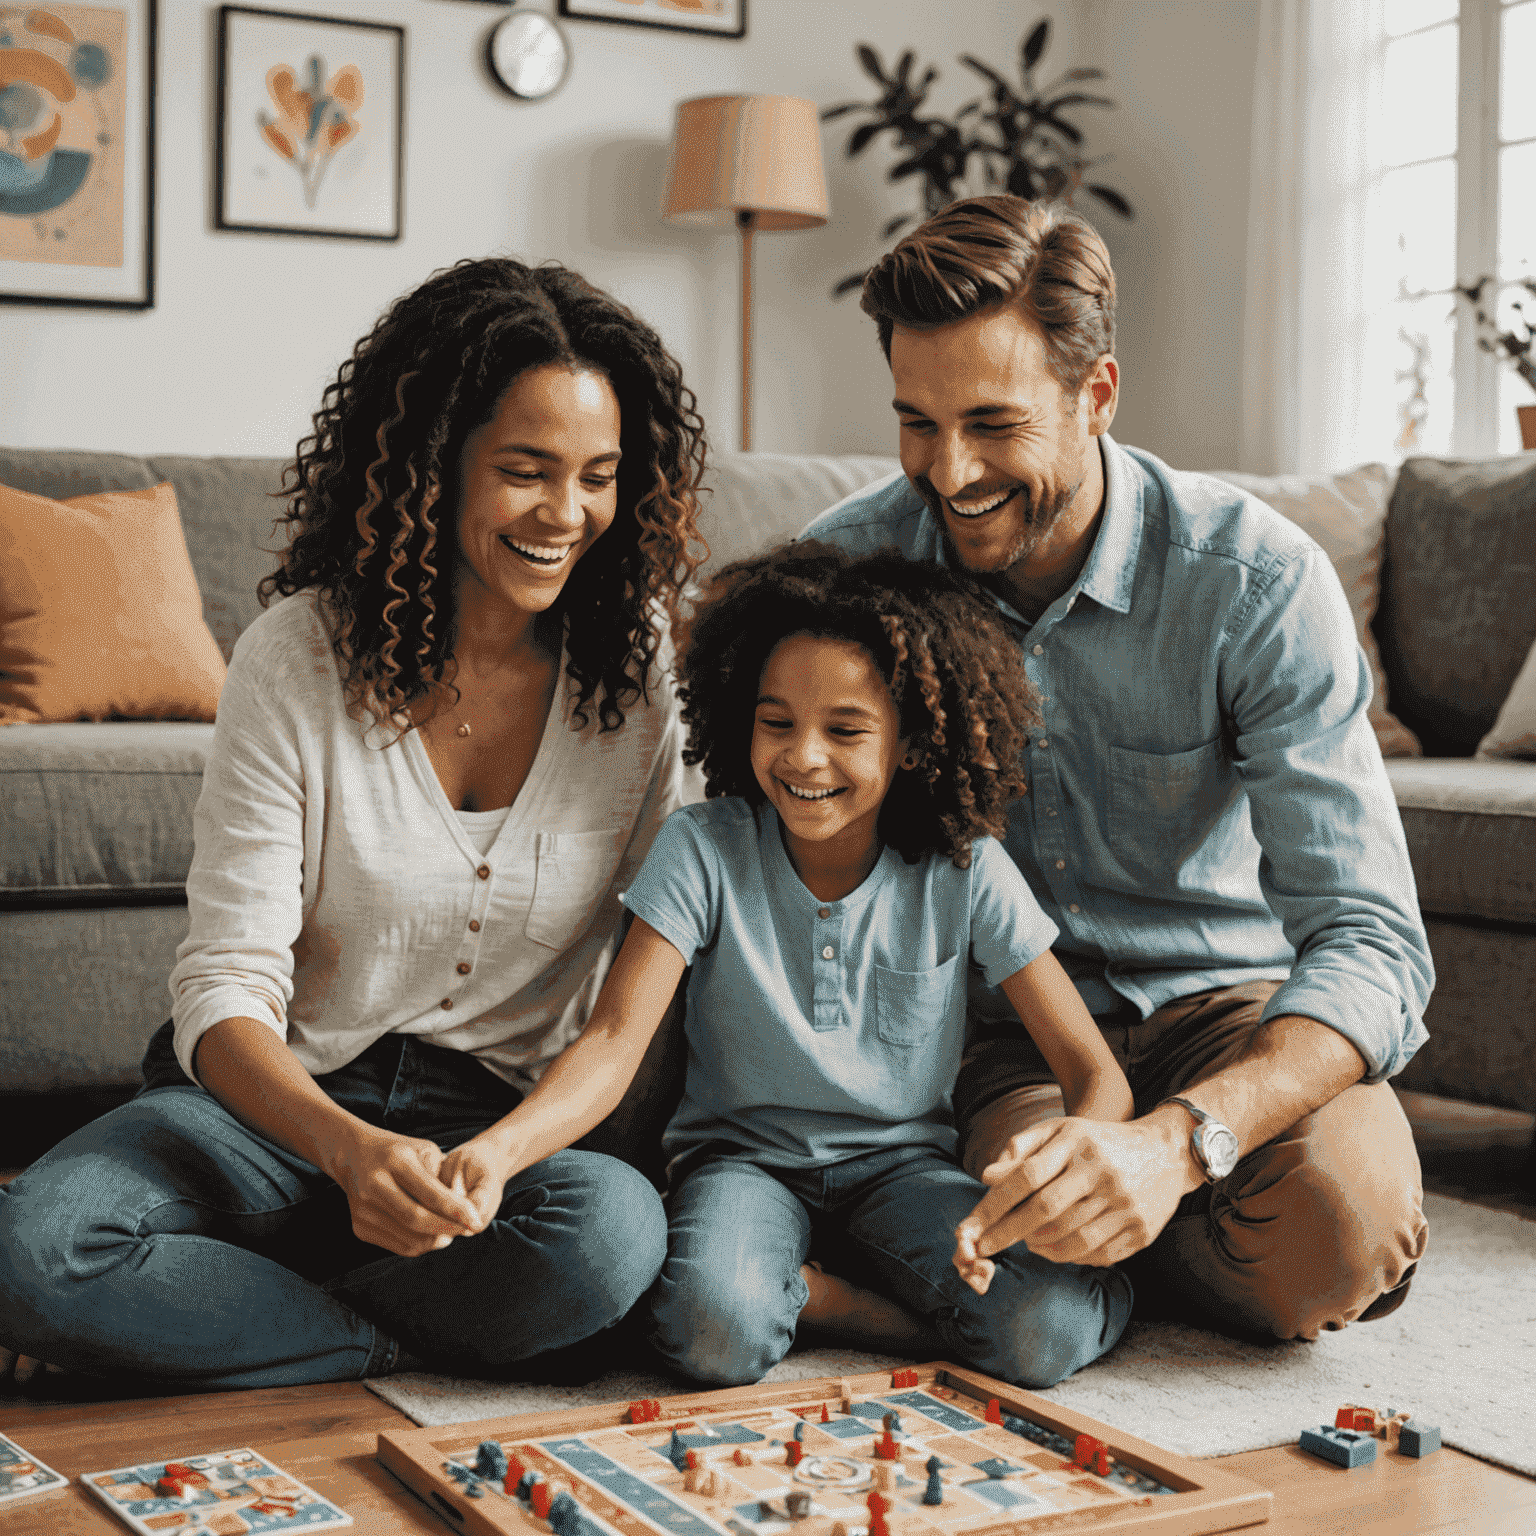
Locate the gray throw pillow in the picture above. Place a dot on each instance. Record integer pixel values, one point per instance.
(1458, 594)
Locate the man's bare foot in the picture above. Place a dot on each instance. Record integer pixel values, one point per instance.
(20, 1369)
(857, 1316)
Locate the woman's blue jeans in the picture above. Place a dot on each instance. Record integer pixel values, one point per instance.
(726, 1305)
(168, 1242)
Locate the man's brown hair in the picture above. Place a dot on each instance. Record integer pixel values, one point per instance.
(982, 251)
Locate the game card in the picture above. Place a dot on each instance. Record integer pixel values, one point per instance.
(225, 1493)
(22, 1474)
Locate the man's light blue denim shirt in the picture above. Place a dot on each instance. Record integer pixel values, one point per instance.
(1207, 801)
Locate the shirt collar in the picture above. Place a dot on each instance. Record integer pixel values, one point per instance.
(1109, 574)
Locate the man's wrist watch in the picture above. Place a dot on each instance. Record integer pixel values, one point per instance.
(1215, 1147)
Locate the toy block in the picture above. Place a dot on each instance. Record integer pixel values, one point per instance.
(797, 1504)
(1393, 1428)
(1086, 1450)
(994, 1411)
(904, 1378)
(1418, 1439)
(884, 1477)
(490, 1460)
(1343, 1447)
(691, 1460)
(691, 1480)
(1353, 1416)
(541, 1496)
(743, 1458)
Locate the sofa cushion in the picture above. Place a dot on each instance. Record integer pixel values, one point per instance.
(226, 514)
(98, 814)
(754, 500)
(1458, 599)
(100, 612)
(1471, 828)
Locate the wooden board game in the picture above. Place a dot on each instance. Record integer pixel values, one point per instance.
(1041, 1468)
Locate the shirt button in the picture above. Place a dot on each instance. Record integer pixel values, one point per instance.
(1039, 650)
(484, 871)
(823, 911)
(1061, 863)
(1074, 908)
(463, 967)
(474, 922)
(1043, 742)
(446, 1004)
(1050, 813)
(828, 952)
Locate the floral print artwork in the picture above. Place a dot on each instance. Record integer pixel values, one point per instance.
(315, 117)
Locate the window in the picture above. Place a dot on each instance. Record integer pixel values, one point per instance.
(1458, 200)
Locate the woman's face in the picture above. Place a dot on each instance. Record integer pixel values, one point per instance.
(538, 485)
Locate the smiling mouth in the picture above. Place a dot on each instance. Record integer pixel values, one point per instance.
(809, 796)
(546, 557)
(985, 508)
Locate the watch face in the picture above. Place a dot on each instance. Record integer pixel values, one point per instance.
(528, 55)
(1220, 1148)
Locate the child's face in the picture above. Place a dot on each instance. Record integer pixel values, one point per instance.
(825, 741)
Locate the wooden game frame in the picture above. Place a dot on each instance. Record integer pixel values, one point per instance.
(1209, 1498)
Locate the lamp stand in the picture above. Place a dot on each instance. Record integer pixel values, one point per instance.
(746, 220)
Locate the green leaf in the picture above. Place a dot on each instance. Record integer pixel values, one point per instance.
(899, 222)
(871, 62)
(972, 62)
(904, 66)
(861, 136)
(848, 285)
(1021, 180)
(1078, 99)
(907, 168)
(828, 113)
(1109, 196)
(1034, 44)
(1083, 74)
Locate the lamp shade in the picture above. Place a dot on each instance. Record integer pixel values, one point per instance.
(747, 153)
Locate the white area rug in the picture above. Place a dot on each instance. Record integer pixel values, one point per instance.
(1460, 1353)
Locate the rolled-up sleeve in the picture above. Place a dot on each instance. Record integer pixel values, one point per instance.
(245, 891)
(1335, 866)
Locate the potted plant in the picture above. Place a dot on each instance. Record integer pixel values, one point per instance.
(1017, 134)
(1510, 345)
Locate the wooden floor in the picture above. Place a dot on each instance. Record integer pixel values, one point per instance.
(326, 1435)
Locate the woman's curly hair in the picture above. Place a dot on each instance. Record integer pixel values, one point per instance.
(373, 494)
(962, 696)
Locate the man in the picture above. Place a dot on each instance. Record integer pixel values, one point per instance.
(1208, 822)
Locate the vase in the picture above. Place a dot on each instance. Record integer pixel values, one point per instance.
(1527, 415)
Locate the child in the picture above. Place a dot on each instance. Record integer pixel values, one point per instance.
(860, 722)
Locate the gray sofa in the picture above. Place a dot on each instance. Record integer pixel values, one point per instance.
(96, 819)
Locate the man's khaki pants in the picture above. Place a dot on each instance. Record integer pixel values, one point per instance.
(1304, 1234)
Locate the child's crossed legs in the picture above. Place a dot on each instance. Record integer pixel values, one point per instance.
(726, 1305)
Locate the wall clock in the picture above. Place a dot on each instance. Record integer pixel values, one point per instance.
(528, 55)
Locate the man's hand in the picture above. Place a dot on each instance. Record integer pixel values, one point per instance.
(1078, 1192)
(397, 1200)
(18, 1370)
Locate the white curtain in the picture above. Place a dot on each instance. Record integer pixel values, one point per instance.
(1317, 335)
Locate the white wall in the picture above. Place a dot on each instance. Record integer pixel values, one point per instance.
(1182, 71)
(248, 328)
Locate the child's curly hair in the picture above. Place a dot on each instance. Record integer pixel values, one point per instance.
(373, 491)
(964, 701)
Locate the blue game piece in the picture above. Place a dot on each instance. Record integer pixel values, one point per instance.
(1415, 1439)
(1343, 1447)
(491, 1460)
(800, 1431)
(525, 1485)
(564, 1515)
(892, 1422)
(934, 1492)
(677, 1452)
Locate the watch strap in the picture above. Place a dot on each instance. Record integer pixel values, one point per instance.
(1196, 1139)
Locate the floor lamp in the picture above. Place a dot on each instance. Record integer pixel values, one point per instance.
(751, 161)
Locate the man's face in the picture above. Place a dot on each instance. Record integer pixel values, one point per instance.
(994, 444)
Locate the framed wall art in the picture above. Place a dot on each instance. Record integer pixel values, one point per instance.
(311, 125)
(77, 154)
(717, 18)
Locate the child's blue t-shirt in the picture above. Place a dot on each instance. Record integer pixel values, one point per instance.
(818, 1031)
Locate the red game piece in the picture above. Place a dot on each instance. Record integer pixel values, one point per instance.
(636, 1414)
(792, 1453)
(1086, 1450)
(907, 1378)
(541, 1496)
(1101, 1462)
(994, 1411)
(886, 1448)
(692, 1458)
(826, 1418)
(877, 1508)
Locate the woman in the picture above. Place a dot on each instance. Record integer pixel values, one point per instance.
(437, 761)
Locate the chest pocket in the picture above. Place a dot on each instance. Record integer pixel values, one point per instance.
(911, 1006)
(571, 877)
(1163, 806)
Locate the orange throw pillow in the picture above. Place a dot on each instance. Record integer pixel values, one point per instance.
(100, 615)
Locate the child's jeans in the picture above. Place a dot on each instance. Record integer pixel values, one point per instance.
(167, 1241)
(730, 1293)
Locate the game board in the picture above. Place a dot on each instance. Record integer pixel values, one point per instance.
(1024, 1472)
